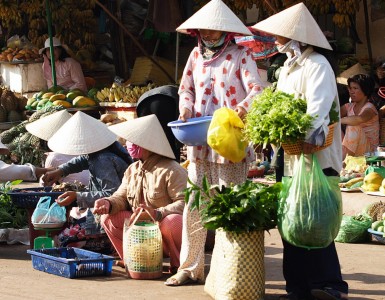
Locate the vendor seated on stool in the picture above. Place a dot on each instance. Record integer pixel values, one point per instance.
(69, 74)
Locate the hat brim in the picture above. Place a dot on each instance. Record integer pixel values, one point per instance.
(295, 23)
(215, 15)
(145, 132)
(81, 134)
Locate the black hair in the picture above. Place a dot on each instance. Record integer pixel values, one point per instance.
(63, 53)
(365, 82)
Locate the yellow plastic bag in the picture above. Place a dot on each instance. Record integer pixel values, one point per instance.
(225, 135)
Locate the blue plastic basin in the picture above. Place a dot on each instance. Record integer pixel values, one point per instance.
(193, 132)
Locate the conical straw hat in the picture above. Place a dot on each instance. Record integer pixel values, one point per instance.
(81, 134)
(215, 15)
(145, 132)
(296, 23)
(46, 127)
(353, 70)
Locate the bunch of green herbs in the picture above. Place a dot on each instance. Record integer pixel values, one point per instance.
(11, 216)
(276, 117)
(239, 208)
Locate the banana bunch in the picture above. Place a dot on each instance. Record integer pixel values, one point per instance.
(10, 15)
(32, 7)
(120, 93)
(351, 182)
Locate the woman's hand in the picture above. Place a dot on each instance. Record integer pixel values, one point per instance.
(185, 114)
(308, 148)
(66, 198)
(101, 206)
(52, 177)
(241, 112)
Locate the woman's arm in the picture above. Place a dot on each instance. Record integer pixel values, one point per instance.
(366, 115)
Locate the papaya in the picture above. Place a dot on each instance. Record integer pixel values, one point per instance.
(31, 100)
(63, 103)
(74, 93)
(47, 95)
(82, 101)
(40, 94)
(57, 97)
(62, 92)
(55, 89)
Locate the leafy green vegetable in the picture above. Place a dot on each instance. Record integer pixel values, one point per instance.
(10, 215)
(239, 208)
(333, 114)
(276, 117)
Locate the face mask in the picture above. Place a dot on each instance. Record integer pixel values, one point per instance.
(135, 151)
(213, 44)
(285, 48)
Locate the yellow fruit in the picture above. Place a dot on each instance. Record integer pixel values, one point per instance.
(373, 178)
(82, 101)
(47, 95)
(74, 93)
(57, 97)
(371, 187)
(63, 103)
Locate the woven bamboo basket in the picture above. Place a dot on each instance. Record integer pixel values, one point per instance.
(297, 148)
(382, 131)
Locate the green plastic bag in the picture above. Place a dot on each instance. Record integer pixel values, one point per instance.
(310, 208)
(354, 229)
(379, 170)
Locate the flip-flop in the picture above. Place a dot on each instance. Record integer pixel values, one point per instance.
(180, 278)
(327, 294)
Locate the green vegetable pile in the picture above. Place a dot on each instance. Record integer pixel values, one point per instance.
(239, 208)
(10, 215)
(276, 117)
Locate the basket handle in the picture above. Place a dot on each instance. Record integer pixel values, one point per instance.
(138, 215)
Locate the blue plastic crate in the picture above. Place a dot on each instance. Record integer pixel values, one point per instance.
(71, 262)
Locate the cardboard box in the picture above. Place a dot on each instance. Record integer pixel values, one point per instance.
(23, 78)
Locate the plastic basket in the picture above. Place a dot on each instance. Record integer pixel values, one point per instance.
(29, 197)
(143, 253)
(71, 262)
(377, 235)
(297, 148)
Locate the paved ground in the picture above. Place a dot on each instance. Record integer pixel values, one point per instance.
(363, 266)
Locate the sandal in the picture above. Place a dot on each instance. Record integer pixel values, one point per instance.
(327, 294)
(180, 278)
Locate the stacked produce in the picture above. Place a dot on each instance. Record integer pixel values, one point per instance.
(58, 96)
(11, 106)
(372, 182)
(17, 55)
(122, 93)
(25, 147)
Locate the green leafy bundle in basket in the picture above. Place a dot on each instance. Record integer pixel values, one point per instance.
(245, 207)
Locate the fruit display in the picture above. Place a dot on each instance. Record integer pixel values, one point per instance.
(372, 182)
(121, 93)
(23, 146)
(20, 55)
(58, 96)
(11, 106)
(78, 30)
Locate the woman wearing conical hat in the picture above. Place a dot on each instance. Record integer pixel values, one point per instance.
(218, 74)
(96, 149)
(154, 182)
(307, 74)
